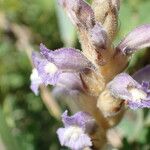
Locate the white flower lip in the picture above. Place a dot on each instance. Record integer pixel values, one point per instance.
(50, 68)
(137, 94)
(72, 133)
(35, 81)
(34, 75)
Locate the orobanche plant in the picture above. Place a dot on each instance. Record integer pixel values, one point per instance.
(94, 77)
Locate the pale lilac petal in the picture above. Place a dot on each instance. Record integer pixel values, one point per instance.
(146, 103)
(119, 86)
(68, 59)
(142, 104)
(80, 13)
(70, 81)
(125, 87)
(145, 84)
(75, 133)
(143, 77)
(75, 140)
(81, 119)
(68, 85)
(142, 74)
(35, 81)
(47, 71)
(83, 141)
(137, 39)
(60, 133)
(36, 58)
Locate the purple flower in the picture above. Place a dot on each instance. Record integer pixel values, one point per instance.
(137, 39)
(137, 95)
(61, 67)
(47, 71)
(75, 132)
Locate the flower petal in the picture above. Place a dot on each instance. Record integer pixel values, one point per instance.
(35, 81)
(74, 138)
(125, 87)
(137, 39)
(75, 133)
(68, 85)
(71, 81)
(47, 71)
(119, 86)
(142, 104)
(81, 119)
(142, 74)
(68, 59)
(80, 13)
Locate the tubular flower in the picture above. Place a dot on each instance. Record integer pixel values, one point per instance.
(137, 95)
(59, 67)
(137, 39)
(75, 132)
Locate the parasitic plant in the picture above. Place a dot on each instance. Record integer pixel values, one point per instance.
(94, 78)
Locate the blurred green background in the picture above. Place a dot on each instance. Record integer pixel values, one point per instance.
(25, 122)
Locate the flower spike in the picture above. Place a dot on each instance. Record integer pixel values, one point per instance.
(92, 77)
